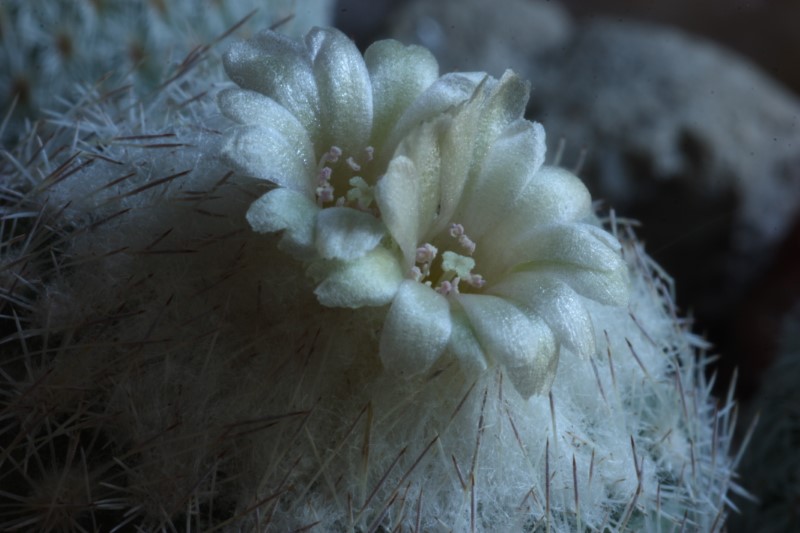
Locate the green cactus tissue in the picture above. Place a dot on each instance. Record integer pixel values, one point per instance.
(337, 293)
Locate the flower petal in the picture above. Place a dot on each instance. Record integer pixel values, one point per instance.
(511, 162)
(445, 93)
(408, 199)
(524, 344)
(610, 287)
(416, 330)
(278, 67)
(250, 107)
(534, 379)
(464, 345)
(399, 74)
(491, 109)
(284, 209)
(504, 104)
(345, 233)
(370, 280)
(581, 245)
(269, 154)
(556, 303)
(396, 194)
(344, 89)
(552, 195)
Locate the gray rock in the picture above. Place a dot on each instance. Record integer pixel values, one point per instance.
(476, 35)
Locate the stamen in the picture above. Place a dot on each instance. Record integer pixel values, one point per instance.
(448, 287)
(325, 189)
(426, 253)
(370, 151)
(333, 154)
(324, 176)
(475, 280)
(457, 232)
(467, 244)
(324, 193)
(352, 164)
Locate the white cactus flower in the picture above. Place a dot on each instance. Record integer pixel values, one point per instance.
(495, 250)
(427, 194)
(321, 122)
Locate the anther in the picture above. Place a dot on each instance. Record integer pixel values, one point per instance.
(352, 164)
(467, 244)
(324, 176)
(457, 232)
(448, 287)
(475, 280)
(333, 154)
(325, 193)
(426, 253)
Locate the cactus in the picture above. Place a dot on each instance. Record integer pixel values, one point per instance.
(167, 367)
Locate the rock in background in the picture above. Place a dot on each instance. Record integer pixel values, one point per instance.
(483, 36)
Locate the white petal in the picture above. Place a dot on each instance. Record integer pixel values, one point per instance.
(610, 287)
(524, 344)
(556, 195)
(370, 280)
(345, 233)
(344, 90)
(552, 195)
(511, 162)
(284, 209)
(250, 107)
(407, 202)
(447, 92)
(556, 303)
(266, 153)
(399, 74)
(464, 345)
(476, 125)
(278, 67)
(508, 99)
(457, 148)
(495, 105)
(534, 379)
(582, 245)
(506, 333)
(416, 330)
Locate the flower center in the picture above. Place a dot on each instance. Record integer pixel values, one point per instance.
(447, 272)
(337, 172)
